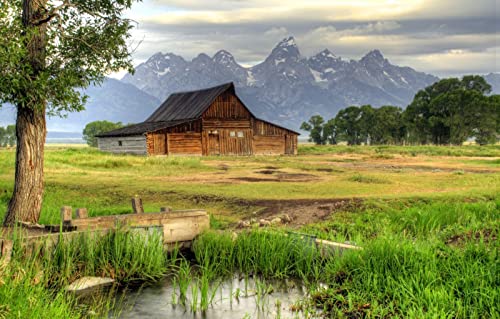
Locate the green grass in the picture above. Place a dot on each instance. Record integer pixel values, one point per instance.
(385, 150)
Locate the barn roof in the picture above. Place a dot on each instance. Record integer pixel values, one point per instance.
(188, 105)
(179, 108)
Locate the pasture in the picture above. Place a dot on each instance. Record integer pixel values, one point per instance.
(427, 218)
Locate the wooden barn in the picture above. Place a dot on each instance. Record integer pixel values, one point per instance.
(211, 121)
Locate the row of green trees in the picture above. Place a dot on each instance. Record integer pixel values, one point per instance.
(448, 112)
(7, 136)
(97, 127)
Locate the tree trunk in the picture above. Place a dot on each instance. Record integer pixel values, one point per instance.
(26, 202)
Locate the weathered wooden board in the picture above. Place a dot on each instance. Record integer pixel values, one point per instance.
(177, 225)
(184, 143)
(269, 145)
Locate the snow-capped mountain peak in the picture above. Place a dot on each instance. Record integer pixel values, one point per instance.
(223, 57)
(327, 54)
(374, 56)
(284, 50)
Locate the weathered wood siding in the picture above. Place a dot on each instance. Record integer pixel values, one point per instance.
(291, 144)
(269, 145)
(129, 144)
(157, 143)
(184, 143)
(268, 129)
(226, 106)
(227, 128)
(270, 139)
(227, 142)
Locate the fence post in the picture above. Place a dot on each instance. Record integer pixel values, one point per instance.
(165, 209)
(82, 213)
(66, 214)
(137, 205)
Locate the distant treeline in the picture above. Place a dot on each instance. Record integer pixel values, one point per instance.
(7, 136)
(448, 112)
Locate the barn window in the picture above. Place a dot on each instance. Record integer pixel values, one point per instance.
(120, 143)
(232, 134)
(240, 134)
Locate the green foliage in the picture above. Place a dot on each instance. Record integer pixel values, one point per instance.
(330, 132)
(349, 126)
(487, 120)
(384, 279)
(97, 127)
(8, 136)
(83, 41)
(452, 110)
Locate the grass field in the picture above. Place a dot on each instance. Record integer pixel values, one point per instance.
(427, 217)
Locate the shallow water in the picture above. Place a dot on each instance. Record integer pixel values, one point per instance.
(248, 301)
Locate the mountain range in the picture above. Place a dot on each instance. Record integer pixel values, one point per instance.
(286, 88)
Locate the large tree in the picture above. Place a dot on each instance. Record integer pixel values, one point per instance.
(49, 49)
(446, 111)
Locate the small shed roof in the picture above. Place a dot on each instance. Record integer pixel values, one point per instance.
(141, 128)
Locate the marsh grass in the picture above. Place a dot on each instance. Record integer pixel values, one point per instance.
(406, 268)
(32, 284)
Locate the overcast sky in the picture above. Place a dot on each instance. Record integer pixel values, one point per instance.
(442, 37)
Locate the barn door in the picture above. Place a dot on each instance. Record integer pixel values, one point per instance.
(288, 144)
(213, 144)
(159, 144)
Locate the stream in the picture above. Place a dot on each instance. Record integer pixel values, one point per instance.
(232, 298)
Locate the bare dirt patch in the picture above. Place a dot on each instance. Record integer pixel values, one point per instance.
(301, 211)
(306, 211)
(267, 172)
